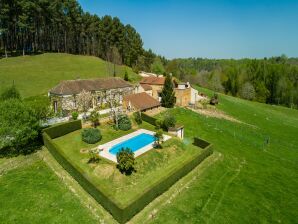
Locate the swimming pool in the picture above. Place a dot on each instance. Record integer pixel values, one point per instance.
(135, 143)
(139, 141)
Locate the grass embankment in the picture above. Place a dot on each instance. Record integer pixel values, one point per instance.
(35, 75)
(150, 167)
(32, 193)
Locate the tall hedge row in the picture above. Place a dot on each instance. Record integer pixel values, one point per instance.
(164, 184)
(200, 143)
(80, 176)
(120, 213)
(63, 128)
(148, 119)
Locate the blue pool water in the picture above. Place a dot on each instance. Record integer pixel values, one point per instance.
(135, 143)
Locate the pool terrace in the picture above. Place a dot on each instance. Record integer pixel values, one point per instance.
(140, 142)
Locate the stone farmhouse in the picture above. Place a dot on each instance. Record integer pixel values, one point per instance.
(64, 95)
(141, 97)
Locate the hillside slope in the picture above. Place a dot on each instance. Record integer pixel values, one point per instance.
(35, 75)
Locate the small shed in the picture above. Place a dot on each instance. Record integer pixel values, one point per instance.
(178, 131)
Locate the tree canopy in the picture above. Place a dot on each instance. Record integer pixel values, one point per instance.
(19, 126)
(30, 26)
(273, 80)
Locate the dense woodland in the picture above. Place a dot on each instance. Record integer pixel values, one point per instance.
(34, 26)
(37, 26)
(272, 81)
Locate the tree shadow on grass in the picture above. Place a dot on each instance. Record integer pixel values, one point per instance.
(9, 152)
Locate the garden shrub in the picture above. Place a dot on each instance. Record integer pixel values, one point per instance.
(124, 123)
(94, 118)
(74, 115)
(91, 135)
(158, 123)
(138, 117)
(125, 160)
(169, 121)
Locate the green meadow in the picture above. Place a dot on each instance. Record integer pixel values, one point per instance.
(35, 75)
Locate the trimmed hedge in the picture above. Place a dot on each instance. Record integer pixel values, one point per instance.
(120, 213)
(63, 128)
(201, 143)
(148, 119)
(80, 176)
(164, 184)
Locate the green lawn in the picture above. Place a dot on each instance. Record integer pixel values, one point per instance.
(35, 75)
(253, 182)
(150, 167)
(32, 193)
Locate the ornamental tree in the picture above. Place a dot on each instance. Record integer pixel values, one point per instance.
(94, 118)
(168, 95)
(158, 138)
(125, 160)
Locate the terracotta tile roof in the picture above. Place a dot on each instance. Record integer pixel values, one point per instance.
(141, 101)
(153, 80)
(70, 87)
(146, 87)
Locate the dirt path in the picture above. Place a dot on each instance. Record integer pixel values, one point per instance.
(210, 112)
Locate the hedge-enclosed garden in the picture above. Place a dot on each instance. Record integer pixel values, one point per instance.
(157, 169)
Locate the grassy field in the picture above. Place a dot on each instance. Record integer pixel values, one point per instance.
(150, 167)
(32, 193)
(35, 75)
(254, 182)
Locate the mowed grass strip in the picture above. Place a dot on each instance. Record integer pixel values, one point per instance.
(34, 194)
(35, 75)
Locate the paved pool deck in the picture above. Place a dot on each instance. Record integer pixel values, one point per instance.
(104, 148)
